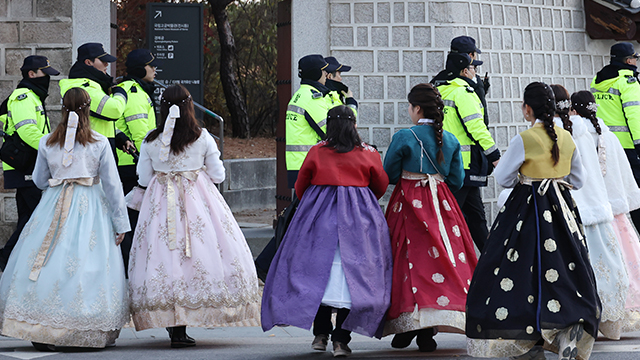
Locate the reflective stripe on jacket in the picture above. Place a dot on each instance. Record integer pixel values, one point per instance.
(300, 136)
(105, 109)
(618, 102)
(26, 116)
(137, 119)
(462, 106)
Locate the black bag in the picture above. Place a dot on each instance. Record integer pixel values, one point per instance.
(284, 219)
(264, 259)
(17, 154)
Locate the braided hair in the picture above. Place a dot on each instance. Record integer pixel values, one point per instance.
(431, 105)
(584, 104)
(563, 106)
(540, 98)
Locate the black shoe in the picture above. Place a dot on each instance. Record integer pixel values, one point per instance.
(43, 346)
(402, 340)
(3, 262)
(341, 349)
(180, 339)
(425, 340)
(320, 342)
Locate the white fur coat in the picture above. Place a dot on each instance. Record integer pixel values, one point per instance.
(592, 199)
(622, 190)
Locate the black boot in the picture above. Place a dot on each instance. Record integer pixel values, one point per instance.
(425, 340)
(43, 346)
(180, 339)
(402, 340)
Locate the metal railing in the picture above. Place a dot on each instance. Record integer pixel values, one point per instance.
(220, 136)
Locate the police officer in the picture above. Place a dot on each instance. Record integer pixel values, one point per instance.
(107, 101)
(305, 125)
(617, 93)
(137, 120)
(463, 117)
(26, 115)
(467, 45)
(340, 93)
(306, 113)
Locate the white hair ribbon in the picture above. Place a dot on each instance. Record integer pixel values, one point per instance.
(426, 121)
(169, 124)
(70, 138)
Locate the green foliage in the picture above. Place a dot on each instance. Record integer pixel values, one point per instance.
(253, 23)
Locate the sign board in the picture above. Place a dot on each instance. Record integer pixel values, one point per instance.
(175, 37)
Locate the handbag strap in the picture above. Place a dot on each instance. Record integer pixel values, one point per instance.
(423, 151)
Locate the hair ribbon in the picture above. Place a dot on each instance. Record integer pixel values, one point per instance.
(426, 121)
(70, 138)
(167, 134)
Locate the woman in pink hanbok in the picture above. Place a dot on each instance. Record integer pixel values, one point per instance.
(624, 197)
(190, 264)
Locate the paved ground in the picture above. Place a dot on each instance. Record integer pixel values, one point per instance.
(279, 343)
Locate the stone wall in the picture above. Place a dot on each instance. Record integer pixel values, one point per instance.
(394, 45)
(53, 28)
(250, 184)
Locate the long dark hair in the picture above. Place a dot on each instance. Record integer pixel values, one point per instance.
(563, 106)
(187, 129)
(341, 129)
(541, 99)
(428, 98)
(78, 100)
(584, 104)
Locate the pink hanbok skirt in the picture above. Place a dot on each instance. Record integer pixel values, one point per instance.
(193, 267)
(628, 238)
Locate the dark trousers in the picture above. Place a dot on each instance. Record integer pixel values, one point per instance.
(634, 161)
(128, 183)
(27, 198)
(470, 202)
(322, 324)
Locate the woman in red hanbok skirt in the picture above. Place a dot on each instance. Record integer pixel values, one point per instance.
(433, 253)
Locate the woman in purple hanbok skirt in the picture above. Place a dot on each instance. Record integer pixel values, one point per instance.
(336, 253)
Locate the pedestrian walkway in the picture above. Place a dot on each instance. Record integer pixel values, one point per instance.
(279, 343)
(257, 235)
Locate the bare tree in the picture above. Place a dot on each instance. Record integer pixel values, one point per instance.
(235, 101)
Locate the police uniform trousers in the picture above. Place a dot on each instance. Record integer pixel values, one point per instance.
(634, 161)
(27, 198)
(470, 202)
(129, 179)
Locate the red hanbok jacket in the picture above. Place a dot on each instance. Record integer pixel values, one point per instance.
(359, 167)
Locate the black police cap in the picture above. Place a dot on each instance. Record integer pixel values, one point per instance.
(141, 58)
(37, 62)
(622, 50)
(312, 62)
(334, 65)
(456, 62)
(464, 44)
(92, 51)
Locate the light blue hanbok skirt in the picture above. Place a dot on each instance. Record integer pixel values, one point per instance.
(79, 298)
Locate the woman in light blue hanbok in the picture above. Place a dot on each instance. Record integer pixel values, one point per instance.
(64, 284)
